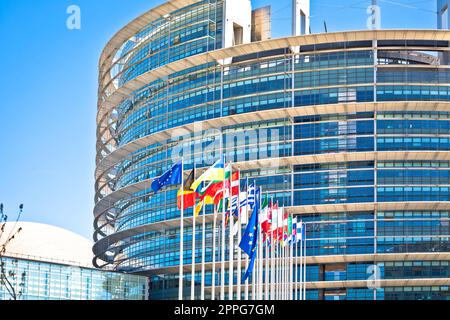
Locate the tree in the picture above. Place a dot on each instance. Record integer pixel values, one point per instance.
(8, 278)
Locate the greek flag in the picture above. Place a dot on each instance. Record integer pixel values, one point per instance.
(247, 202)
(251, 195)
(235, 205)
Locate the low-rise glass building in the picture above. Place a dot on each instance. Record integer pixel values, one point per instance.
(36, 280)
(48, 263)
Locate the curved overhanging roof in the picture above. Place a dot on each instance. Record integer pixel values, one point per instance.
(277, 43)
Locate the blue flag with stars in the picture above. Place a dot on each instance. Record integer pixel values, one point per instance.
(249, 241)
(171, 177)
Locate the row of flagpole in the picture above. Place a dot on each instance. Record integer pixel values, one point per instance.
(273, 243)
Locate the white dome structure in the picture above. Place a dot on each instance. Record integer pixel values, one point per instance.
(47, 243)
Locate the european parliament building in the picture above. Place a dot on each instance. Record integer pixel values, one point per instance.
(352, 136)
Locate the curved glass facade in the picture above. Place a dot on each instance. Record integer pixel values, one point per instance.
(360, 131)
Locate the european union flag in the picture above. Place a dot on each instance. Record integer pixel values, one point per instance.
(249, 241)
(171, 177)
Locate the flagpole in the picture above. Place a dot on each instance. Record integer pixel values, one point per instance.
(283, 273)
(283, 269)
(295, 243)
(301, 262)
(282, 248)
(282, 260)
(254, 280)
(272, 253)
(222, 264)
(180, 273)
(304, 269)
(231, 244)
(280, 265)
(287, 262)
(260, 253)
(296, 269)
(276, 259)
(246, 256)
(239, 252)
(272, 261)
(286, 277)
(193, 253)
(261, 260)
(202, 297)
(288, 259)
(291, 266)
(255, 274)
(265, 253)
(272, 268)
(285, 286)
(278, 256)
(266, 271)
(255, 269)
(213, 272)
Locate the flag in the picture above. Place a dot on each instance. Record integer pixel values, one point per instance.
(281, 223)
(265, 219)
(234, 205)
(251, 194)
(243, 207)
(233, 183)
(249, 241)
(233, 186)
(288, 231)
(215, 173)
(212, 193)
(198, 208)
(294, 230)
(274, 222)
(247, 201)
(265, 203)
(301, 231)
(187, 195)
(171, 177)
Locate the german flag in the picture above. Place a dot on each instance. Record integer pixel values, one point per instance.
(186, 193)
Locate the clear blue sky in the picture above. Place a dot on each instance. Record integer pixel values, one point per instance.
(48, 88)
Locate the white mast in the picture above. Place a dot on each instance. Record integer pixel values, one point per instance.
(246, 256)
(260, 252)
(239, 252)
(193, 249)
(231, 245)
(180, 274)
(213, 272)
(304, 265)
(202, 295)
